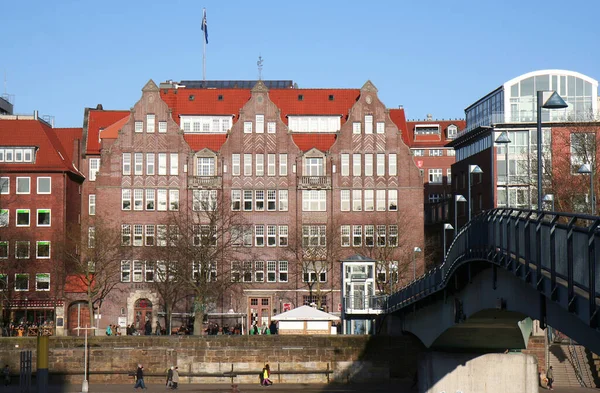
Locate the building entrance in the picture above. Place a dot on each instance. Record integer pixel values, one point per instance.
(260, 311)
(142, 312)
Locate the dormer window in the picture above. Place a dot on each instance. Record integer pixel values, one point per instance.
(331, 97)
(17, 154)
(220, 97)
(452, 131)
(300, 97)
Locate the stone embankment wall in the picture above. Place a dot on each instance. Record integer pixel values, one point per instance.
(209, 359)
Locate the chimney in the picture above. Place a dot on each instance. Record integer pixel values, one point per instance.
(35, 115)
(400, 106)
(429, 116)
(99, 107)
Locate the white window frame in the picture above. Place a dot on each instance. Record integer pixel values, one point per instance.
(314, 200)
(23, 211)
(150, 198)
(259, 167)
(392, 164)
(138, 164)
(259, 271)
(357, 236)
(149, 236)
(368, 164)
(92, 204)
(247, 200)
(39, 243)
(247, 127)
(283, 271)
(259, 200)
(139, 127)
(271, 235)
(17, 281)
(369, 200)
(270, 164)
(356, 200)
(380, 164)
(271, 127)
(162, 164)
(345, 164)
(247, 164)
(283, 200)
(138, 270)
(28, 185)
(162, 127)
(126, 199)
(94, 168)
(381, 127)
(161, 200)
(283, 164)
(436, 176)
(22, 243)
(150, 123)
(49, 185)
(259, 235)
(356, 127)
(260, 124)
(392, 200)
(138, 235)
(345, 200)
(174, 164)
(37, 217)
(368, 124)
(4, 185)
(271, 200)
(150, 164)
(356, 164)
(138, 199)
(126, 163)
(235, 164)
(236, 200)
(345, 236)
(125, 235)
(125, 271)
(4, 218)
(380, 200)
(42, 278)
(283, 235)
(271, 271)
(174, 200)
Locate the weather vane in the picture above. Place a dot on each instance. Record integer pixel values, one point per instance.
(259, 63)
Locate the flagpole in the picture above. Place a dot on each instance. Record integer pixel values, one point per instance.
(204, 44)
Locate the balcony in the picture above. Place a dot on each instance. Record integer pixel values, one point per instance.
(364, 305)
(314, 182)
(205, 182)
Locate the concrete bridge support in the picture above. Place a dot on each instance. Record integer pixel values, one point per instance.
(488, 373)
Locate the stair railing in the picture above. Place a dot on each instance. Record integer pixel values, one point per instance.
(574, 359)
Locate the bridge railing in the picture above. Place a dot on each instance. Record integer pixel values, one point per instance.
(562, 247)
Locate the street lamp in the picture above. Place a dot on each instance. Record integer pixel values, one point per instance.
(457, 198)
(472, 169)
(446, 227)
(586, 169)
(503, 139)
(415, 251)
(549, 198)
(548, 99)
(26, 304)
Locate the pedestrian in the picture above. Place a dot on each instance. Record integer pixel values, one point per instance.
(148, 328)
(265, 329)
(550, 376)
(139, 378)
(109, 330)
(175, 377)
(170, 377)
(6, 372)
(266, 381)
(158, 328)
(273, 327)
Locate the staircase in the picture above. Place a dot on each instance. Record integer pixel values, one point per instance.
(564, 359)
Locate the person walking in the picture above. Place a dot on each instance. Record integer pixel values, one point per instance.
(550, 376)
(148, 328)
(170, 377)
(6, 372)
(175, 377)
(109, 330)
(158, 329)
(139, 378)
(266, 381)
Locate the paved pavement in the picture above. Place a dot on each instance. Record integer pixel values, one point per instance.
(244, 388)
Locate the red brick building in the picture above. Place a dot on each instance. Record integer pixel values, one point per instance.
(40, 185)
(307, 169)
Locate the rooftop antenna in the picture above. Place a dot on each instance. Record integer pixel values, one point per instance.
(259, 63)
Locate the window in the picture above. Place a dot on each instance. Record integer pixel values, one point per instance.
(42, 250)
(44, 185)
(270, 164)
(381, 235)
(235, 164)
(380, 164)
(271, 235)
(174, 167)
(345, 163)
(23, 185)
(434, 198)
(125, 271)
(393, 238)
(150, 164)
(161, 200)
(21, 282)
(162, 127)
(247, 164)
(139, 164)
(451, 152)
(149, 199)
(161, 235)
(139, 126)
(260, 124)
(271, 200)
(368, 124)
(3, 249)
(271, 271)
(435, 175)
(260, 165)
(380, 200)
(205, 200)
(370, 235)
(393, 200)
(149, 235)
(259, 235)
(236, 267)
(380, 127)
(452, 131)
(125, 199)
(247, 271)
(138, 235)
(345, 233)
(313, 166)
(126, 164)
(369, 200)
(314, 200)
(356, 200)
(356, 128)
(138, 271)
(259, 200)
(91, 237)
(236, 200)
(283, 271)
(448, 175)
(174, 200)
(271, 127)
(418, 152)
(22, 249)
(583, 147)
(392, 165)
(283, 235)
(150, 123)
(313, 235)
(3, 282)
(43, 217)
(259, 271)
(23, 217)
(205, 166)
(92, 204)
(436, 152)
(138, 199)
(4, 185)
(4, 218)
(356, 164)
(345, 200)
(356, 235)
(248, 200)
(368, 164)
(283, 200)
(247, 127)
(149, 267)
(162, 164)
(283, 171)
(94, 168)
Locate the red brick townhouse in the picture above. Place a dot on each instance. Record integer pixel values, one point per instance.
(40, 183)
(315, 175)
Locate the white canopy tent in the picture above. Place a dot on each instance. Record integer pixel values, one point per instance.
(305, 320)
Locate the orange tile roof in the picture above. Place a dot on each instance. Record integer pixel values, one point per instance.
(210, 141)
(306, 142)
(426, 140)
(99, 119)
(399, 118)
(112, 131)
(314, 102)
(51, 155)
(67, 136)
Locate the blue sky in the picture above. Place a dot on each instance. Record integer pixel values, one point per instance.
(430, 56)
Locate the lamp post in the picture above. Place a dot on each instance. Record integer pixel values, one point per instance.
(472, 169)
(549, 198)
(548, 99)
(84, 384)
(457, 198)
(26, 304)
(503, 139)
(415, 251)
(446, 227)
(587, 169)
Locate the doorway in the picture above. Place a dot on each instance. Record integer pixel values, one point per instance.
(142, 310)
(78, 315)
(260, 312)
